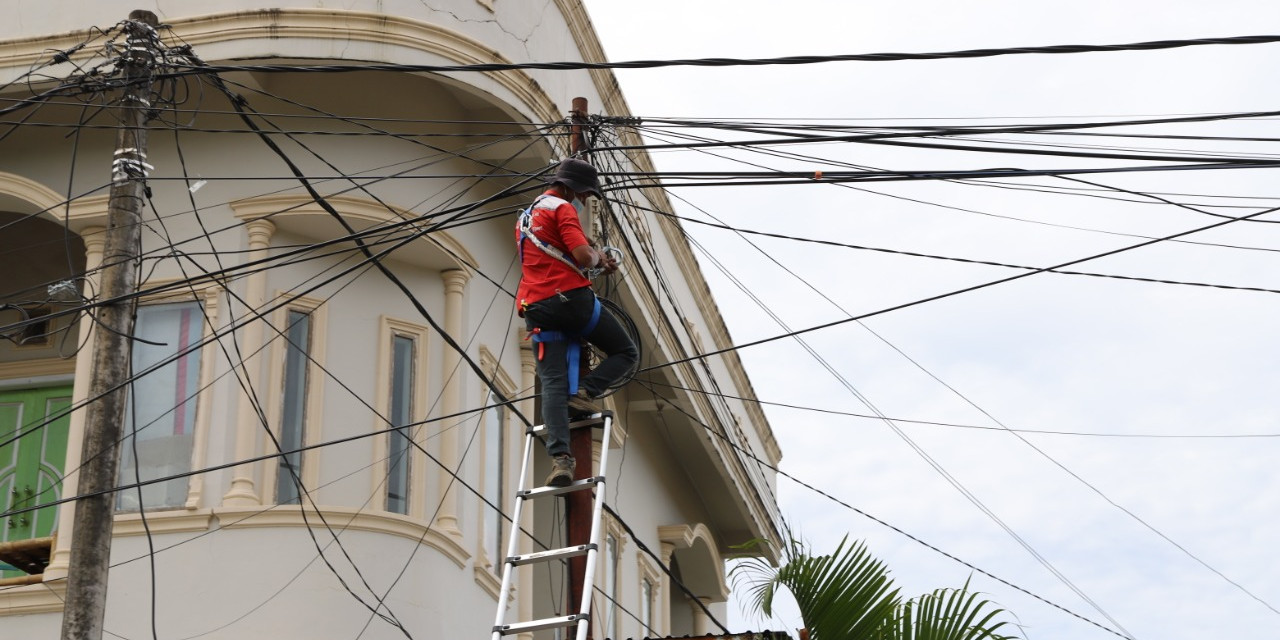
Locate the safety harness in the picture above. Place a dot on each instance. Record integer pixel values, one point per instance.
(573, 346)
(526, 233)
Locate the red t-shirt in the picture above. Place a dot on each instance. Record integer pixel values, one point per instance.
(555, 222)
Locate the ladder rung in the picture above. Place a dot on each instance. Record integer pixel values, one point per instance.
(552, 554)
(590, 550)
(536, 625)
(589, 421)
(576, 485)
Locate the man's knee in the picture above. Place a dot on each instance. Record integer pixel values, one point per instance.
(629, 353)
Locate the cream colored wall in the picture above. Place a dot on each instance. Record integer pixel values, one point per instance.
(268, 547)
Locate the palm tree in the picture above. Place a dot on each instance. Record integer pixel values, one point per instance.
(848, 595)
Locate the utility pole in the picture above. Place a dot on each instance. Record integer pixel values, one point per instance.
(577, 507)
(86, 599)
(578, 144)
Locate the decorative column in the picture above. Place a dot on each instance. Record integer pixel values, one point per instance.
(528, 373)
(701, 623)
(244, 491)
(665, 551)
(95, 238)
(204, 408)
(451, 401)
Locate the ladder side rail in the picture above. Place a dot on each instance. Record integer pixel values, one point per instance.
(512, 540)
(597, 510)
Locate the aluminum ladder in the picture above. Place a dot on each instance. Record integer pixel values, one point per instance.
(591, 549)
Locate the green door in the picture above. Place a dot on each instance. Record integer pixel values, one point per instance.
(31, 460)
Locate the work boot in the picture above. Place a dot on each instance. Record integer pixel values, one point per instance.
(562, 467)
(582, 402)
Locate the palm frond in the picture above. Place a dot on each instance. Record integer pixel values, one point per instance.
(847, 594)
(950, 614)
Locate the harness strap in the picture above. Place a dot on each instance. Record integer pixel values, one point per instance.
(573, 348)
(526, 233)
(595, 317)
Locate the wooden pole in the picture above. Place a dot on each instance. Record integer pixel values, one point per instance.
(86, 599)
(578, 504)
(578, 130)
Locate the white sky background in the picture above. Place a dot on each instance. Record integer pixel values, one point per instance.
(1049, 352)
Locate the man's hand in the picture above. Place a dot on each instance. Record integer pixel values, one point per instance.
(589, 257)
(607, 263)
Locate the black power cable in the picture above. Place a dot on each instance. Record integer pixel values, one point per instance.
(624, 198)
(629, 327)
(747, 62)
(913, 538)
(934, 423)
(965, 398)
(956, 292)
(986, 183)
(916, 254)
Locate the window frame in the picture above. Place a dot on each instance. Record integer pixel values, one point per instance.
(313, 400)
(493, 543)
(388, 330)
(610, 528)
(297, 331)
(400, 391)
(208, 298)
(649, 575)
(611, 549)
(490, 552)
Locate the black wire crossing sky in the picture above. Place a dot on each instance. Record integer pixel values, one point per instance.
(814, 154)
(757, 62)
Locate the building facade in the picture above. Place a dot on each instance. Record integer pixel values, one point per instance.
(306, 451)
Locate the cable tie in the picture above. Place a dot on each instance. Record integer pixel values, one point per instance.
(123, 169)
(125, 162)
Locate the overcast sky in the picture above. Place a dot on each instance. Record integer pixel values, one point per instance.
(1048, 352)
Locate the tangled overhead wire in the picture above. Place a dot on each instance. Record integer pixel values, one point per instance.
(633, 332)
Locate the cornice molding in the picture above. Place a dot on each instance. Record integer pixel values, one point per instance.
(158, 522)
(684, 536)
(271, 27)
(274, 25)
(44, 597)
(280, 208)
(348, 519)
(49, 204)
(37, 368)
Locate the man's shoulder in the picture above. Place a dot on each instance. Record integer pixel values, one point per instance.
(550, 202)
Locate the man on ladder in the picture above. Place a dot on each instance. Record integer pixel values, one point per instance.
(560, 309)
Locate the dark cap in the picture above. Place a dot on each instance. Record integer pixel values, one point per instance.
(579, 176)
